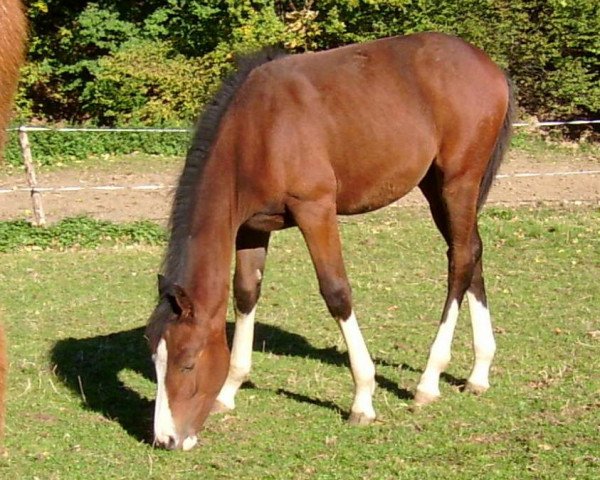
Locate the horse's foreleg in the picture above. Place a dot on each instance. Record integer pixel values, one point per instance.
(251, 252)
(363, 372)
(318, 223)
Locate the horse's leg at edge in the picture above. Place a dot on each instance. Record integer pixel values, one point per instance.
(3, 380)
(318, 222)
(251, 253)
(454, 209)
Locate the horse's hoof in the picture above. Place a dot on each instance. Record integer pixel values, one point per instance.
(219, 407)
(423, 398)
(360, 419)
(475, 389)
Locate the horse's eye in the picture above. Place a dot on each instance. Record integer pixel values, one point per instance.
(188, 367)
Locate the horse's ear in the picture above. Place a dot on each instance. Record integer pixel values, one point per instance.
(177, 296)
(182, 304)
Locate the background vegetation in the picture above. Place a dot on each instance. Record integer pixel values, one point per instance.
(126, 62)
(155, 63)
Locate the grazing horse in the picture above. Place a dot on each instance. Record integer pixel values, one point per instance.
(295, 141)
(13, 32)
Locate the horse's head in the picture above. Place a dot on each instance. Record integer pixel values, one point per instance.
(191, 361)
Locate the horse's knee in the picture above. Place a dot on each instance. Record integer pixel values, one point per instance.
(461, 270)
(338, 299)
(246, 294)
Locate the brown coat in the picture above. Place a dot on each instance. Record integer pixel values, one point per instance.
(13, 33)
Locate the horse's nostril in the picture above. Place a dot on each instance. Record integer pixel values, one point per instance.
(171, 443)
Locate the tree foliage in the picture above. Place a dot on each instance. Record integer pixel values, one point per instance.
(153, 62)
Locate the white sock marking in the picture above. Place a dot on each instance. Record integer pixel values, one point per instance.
(439, 354)
(241, 357)
(484, 344)
(363, 369)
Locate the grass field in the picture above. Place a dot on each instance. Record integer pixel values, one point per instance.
(81, 388)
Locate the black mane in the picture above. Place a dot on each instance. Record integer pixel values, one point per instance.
(206, 130)
(173, 266)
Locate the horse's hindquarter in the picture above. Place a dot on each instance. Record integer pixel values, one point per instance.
(373, 129)
(363, 122)
(383, 136)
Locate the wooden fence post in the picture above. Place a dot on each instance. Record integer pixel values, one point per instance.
(36, 197)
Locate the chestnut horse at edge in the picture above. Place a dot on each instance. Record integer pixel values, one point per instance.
(13, 36)
(295, 140)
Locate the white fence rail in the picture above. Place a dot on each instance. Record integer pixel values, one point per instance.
(36, 191)
(556, 123)
(29, 128)
(25, 128)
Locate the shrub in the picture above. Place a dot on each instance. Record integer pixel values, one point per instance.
(144, 83)
(52, 147)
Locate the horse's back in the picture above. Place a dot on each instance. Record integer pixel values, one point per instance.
(368, 118)
(426, 76)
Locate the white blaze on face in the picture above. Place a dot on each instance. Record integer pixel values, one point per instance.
(164, 427)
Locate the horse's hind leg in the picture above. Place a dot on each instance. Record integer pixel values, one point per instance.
(484, 345)
(454, 209)
(251, 253)
(318, 223)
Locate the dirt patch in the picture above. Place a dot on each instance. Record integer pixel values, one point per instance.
(143, 189)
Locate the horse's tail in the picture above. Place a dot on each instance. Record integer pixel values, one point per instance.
(499, 150)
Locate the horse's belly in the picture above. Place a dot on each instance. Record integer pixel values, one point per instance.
(367, 191)
(350, 203)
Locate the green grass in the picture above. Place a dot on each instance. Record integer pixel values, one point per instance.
(78, 232)
(80, 392)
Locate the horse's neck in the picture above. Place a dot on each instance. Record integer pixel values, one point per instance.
(210, 248)
(208, 273)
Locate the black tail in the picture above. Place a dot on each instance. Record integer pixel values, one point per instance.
(499, 150)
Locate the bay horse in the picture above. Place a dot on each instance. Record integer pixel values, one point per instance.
(294, 141)
(13, 33)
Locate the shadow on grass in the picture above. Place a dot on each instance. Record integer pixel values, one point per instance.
(90, 368)
(298, 397)
(454, 381)
(268, 338)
